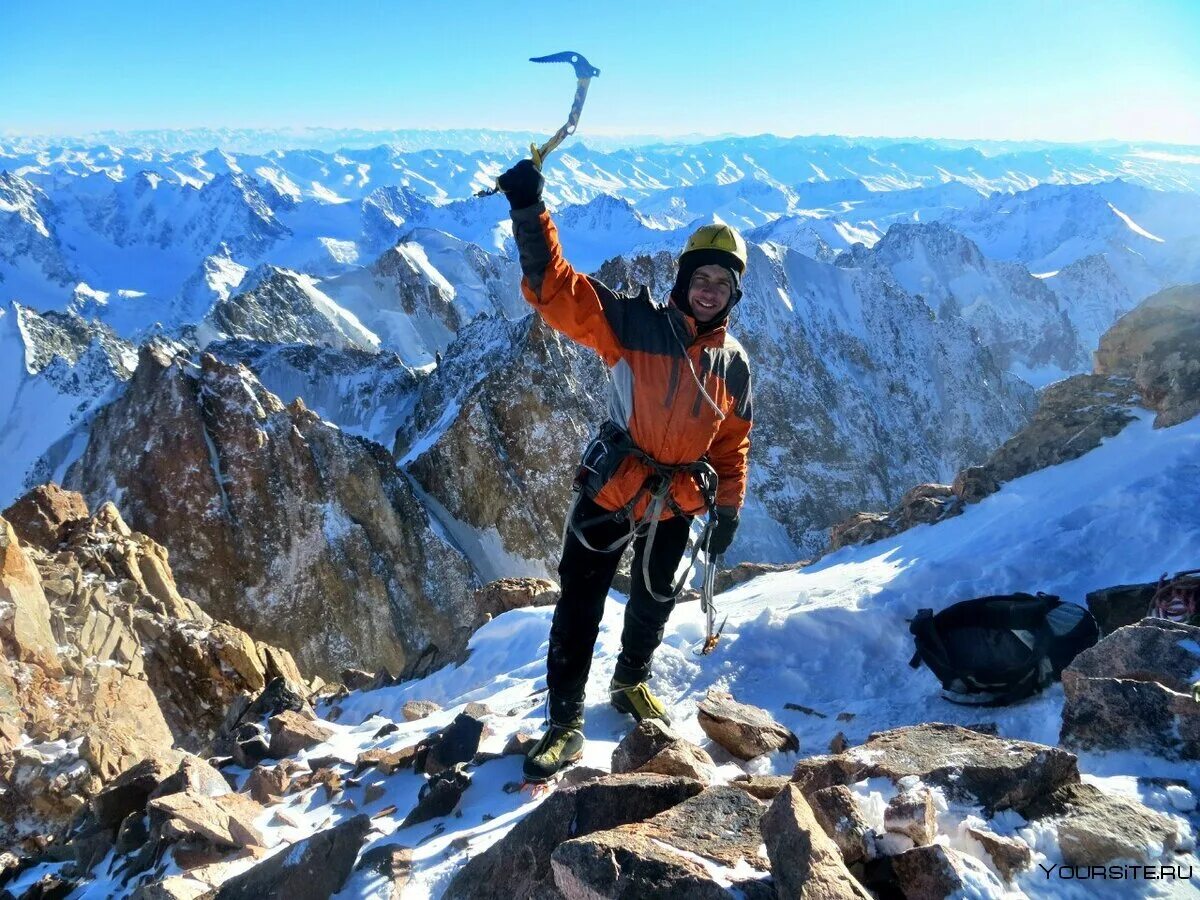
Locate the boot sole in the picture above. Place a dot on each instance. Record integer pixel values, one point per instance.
(567, 763)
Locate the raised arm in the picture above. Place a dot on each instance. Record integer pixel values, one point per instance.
(570, 302)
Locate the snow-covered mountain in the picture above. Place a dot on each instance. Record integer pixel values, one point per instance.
(1015, 315)
(56, 369)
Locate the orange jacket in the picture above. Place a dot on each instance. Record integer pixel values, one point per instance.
(652, 395)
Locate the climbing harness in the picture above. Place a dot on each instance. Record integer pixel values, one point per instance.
(584, 73)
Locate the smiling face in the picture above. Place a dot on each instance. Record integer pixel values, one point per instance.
(709, 292)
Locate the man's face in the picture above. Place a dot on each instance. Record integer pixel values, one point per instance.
(709, 292)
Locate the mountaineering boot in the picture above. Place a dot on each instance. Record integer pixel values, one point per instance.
(560, 746)
(637, 700)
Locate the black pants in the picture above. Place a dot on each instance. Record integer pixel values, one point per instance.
(586, 576)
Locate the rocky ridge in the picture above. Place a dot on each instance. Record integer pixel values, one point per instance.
(304, 535)
(105, 664)
(1147, 360)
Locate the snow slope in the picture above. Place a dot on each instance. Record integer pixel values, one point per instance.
(833, 638)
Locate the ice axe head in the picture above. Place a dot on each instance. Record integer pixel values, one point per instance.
(583, 68)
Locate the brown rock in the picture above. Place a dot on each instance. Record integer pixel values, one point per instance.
(996, 772)
(418, 709)
(312, 869)
(911, 813)
(519, 744)
(1156, 345)
(291, 732)
(745, 571)
(500, 596)
(299, 533)
(130, 790)
(745, 731)
(357, 679)
(974, 483)
(386, 761)
(195, 776)
(518, 865)
(839, 815)
(1133, 691)
(24, 614)
(267, 785)
(860, 528)
(617, 864)
(764, 787)
(1094, 828)
(720, 824)
(226, 821)
(42, 511)
(935, 872)
(653, 747)
(805, 863)
(1009, 856)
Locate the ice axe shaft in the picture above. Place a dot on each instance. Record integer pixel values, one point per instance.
(584, 73)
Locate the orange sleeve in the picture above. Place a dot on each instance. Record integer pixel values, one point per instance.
(567, 300)
(730, 457)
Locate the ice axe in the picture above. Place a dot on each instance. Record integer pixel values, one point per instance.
(584, 73)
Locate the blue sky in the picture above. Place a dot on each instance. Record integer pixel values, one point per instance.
(1009, 69)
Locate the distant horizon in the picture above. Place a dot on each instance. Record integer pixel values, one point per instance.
(106, 136)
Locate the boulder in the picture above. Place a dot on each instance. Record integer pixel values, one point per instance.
(911, 813)
(386, 761)
(312, 869)
(841, 818)
(267, 785)
(653, 747)
(175, 887)
(193, 775)
(291, 732)
(764, 787)
(1123, 604)
(1095, 828)
(24, 613)
(805, 862)
(745, 731)
(518, 865)
(935, 872)
(995, 772)
(130, 790)
(500, 596)
(1132, 690)
(974, 483)
(39, 515)
(618, 865)
(1009, 856)
(457, 743)
(438, 796)
(225, 821)
(860, 528)
(1157, 345)
(418, 709)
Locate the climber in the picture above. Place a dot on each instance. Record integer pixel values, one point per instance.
(675, 446)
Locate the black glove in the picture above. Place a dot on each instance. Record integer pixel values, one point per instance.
(722, 533)
(522, 184)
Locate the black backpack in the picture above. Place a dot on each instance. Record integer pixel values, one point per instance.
(993, 651)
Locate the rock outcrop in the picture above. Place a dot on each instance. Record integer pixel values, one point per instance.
(1133, 690)
(1150, 358)
(305, 536)
(105, 664)
(1157, 345)
(493, 441)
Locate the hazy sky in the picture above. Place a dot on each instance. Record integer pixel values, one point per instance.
(1008, 69)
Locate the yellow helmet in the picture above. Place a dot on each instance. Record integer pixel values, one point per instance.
(720, 243)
